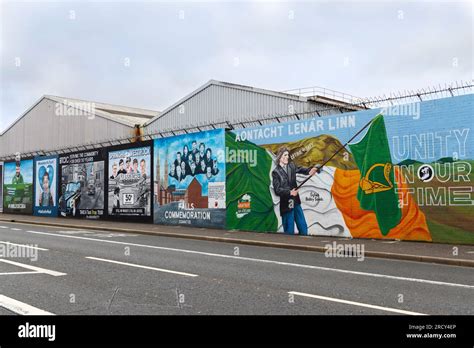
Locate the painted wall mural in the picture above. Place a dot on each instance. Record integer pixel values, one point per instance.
(130, 182)
(408, 175)
(46, 185)
(18, 186)
(189, 185)
(82, 186)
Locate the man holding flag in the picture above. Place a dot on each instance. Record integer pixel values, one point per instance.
(285, 186)
(377, 189)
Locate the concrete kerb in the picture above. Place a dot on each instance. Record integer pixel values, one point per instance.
(375, 254)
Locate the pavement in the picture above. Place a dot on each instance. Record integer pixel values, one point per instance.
(95, 271)
(448, 254)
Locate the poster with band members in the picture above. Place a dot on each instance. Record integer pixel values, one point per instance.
(130, 182)
(82, 184)
(46, 184)
(190, 179)
(18, 186)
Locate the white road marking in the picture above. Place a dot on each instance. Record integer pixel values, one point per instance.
(360, 304)
(97, 234)
(140, 266)
(16, 229)
(76, 232)
(21, 307)
(24, 246)
(376, 275)
(113, 235)
(3, 227)
(33, 268)
(15, 273)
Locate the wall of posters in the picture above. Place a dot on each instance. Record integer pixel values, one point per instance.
(82, 186)
(46, 186)
(18, 186)
(189, 186)
(1, 186)
(406, 176)
(130, 191)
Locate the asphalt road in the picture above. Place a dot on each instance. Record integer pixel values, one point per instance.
(93, 272)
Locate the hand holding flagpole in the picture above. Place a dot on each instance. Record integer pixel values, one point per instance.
(319, 167)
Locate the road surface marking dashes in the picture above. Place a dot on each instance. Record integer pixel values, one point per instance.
(33, 268)
(360, 304)
(140, 266)
(20, 307)
(240, 258)
(16, 273)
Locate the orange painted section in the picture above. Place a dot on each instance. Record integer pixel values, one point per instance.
(363, 223)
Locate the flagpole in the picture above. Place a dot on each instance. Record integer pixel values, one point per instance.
(334, 154)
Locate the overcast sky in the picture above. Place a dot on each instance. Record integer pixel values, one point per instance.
(81, 50)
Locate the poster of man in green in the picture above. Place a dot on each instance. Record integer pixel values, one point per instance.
(18, 186)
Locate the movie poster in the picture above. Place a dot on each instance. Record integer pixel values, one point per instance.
(190, 179)
(82, 184)
(130, 182)
(1, 187)
(46, 184)
(18, 186)
(407, 175)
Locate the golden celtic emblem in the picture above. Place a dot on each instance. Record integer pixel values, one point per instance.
(369, 186)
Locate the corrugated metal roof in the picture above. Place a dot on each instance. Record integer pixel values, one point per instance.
(214, 104)
(47, 126)
(125, 114)
(221, 103)
(228, 85)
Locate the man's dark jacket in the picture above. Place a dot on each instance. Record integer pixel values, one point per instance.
(283, 183)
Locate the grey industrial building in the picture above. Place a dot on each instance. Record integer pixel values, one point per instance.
(222, 104)
(57, 124)
(54, 123)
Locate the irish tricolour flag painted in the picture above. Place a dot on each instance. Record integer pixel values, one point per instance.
(377, 186)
